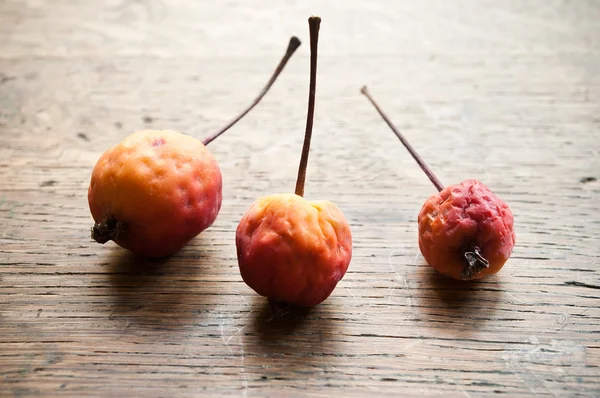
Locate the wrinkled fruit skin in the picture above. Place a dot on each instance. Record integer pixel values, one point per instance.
(163, 186)
(293, 250)
(462, 216)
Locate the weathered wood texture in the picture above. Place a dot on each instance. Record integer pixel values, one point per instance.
(506, 92)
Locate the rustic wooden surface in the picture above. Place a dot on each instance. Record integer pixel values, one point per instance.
(506, 92)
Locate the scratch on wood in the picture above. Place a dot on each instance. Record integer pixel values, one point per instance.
(581, 284)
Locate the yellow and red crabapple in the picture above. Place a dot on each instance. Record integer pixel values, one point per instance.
(157, 189)
(293, 250)
(289, 249)
(465, 231)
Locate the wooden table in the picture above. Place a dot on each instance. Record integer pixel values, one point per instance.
(505, 92)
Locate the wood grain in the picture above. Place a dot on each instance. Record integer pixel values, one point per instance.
(506, 92)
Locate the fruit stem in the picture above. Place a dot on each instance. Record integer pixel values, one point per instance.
(476, 263)
(313, 23)
(414, 153)
(109, 229)
(292, 46)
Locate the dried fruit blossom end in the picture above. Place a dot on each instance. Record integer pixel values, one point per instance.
(109, 229)
(476, 263)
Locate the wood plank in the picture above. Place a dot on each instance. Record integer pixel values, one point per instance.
(507, 93)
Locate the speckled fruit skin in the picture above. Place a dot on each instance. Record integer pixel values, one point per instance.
(465, 215)
(293, 250)
(165, 187)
